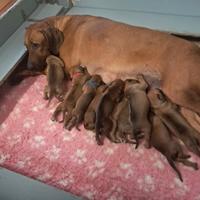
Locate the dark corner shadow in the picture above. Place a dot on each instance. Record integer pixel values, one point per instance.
(9, 86)
(7, 89)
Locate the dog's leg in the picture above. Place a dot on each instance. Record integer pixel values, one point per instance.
(89, 120)
(58, 110)
(112, 134)
(171, 162)
(147, 137)
(67, 118)
(71, 123)
(45, 93)
(99, 138)
(188, 163)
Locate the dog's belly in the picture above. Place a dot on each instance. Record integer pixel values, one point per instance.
(151, 76)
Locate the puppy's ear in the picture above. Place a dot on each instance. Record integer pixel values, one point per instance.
(161, 96)
(54, 39)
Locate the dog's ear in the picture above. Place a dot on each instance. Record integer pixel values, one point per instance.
(54, 39)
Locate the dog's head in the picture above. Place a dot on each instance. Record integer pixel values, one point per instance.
(42, 40)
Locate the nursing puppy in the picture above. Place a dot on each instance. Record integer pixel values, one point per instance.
(110, 97)
(168, 112)
(90, 114)
(169, 146)
(89, 91)
(121, 123)
(79, 76)
(55, 77)
(135, 91)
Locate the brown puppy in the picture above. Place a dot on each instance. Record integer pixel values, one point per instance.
(110, 97)
(90, 114)
(79, 76)
(135, 92)
(55, 77)
(122, 125)
(169, 146)
(176, 123)
(89, 91)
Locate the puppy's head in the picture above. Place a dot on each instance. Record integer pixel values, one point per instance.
(116, 89)
(97, 80)
(129, 83)
(54, 60)
(41, 40)
(157, 98)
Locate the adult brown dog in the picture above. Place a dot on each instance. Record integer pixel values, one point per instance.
(120, 50)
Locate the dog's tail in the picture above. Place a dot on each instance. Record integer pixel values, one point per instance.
(171, 162)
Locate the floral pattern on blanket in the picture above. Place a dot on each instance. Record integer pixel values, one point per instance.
(33, 145)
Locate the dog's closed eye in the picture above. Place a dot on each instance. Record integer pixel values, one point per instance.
(35, 45)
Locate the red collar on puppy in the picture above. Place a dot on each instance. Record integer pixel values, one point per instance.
(77, 74)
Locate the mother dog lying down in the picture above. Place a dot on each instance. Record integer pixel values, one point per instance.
(117, 50)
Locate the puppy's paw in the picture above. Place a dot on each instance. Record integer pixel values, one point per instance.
(147, 145)
(53, 118)
(99, 141)
(45, 97)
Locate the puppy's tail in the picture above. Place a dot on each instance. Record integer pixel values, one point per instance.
(171, 162)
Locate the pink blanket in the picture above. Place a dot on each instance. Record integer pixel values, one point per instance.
(33, 145)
